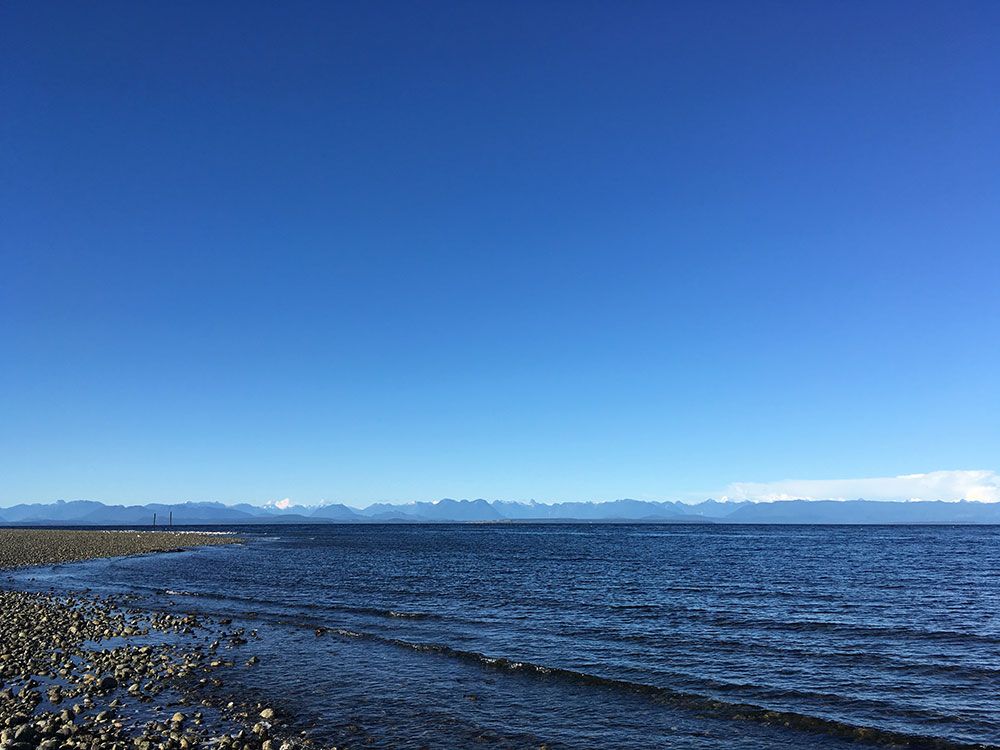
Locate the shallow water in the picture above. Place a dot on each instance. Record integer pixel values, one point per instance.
(624, 636)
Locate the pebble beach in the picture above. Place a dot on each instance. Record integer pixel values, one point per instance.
(85, 671)
(24, 547)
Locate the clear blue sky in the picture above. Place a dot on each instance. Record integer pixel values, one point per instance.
(553, 250)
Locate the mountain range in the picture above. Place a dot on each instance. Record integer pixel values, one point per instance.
(93, 513)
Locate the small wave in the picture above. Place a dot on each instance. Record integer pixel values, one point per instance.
(353, 609)
(350, 633)
(724, 709)
(891, 632)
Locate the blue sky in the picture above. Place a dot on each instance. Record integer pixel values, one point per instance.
(551, 250)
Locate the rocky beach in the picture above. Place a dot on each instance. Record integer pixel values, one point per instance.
(84, 671)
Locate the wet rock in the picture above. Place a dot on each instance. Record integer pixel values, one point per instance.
(51, 645)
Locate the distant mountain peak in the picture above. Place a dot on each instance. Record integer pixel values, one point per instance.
(450, 510)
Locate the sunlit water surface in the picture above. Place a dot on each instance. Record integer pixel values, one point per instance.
(611, 636)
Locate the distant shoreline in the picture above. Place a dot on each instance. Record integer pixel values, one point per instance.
(232, 528)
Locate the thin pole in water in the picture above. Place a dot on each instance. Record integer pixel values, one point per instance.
(154, 520)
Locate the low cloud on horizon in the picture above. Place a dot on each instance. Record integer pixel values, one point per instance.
(982, 485)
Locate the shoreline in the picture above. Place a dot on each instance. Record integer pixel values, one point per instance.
(133, 670)
(22, 548)
(84, 671)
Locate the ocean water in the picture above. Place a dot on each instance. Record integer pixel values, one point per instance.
(602, 636)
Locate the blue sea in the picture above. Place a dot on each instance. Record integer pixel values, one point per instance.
(601, 636)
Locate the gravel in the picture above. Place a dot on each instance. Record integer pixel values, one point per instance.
(84, 671)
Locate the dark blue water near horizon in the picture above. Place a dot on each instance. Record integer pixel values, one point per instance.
(611, 636)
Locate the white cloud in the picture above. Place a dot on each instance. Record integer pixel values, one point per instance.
(281, 504)
(982, 485)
